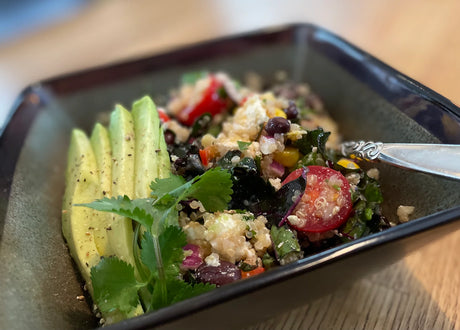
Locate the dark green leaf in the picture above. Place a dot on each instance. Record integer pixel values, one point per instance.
(140, 210)
(213, 189)
(161, 187)
(312, 158)
(316, 138)
(354, 228)
(170, 241)
(187, 291)
(179, 290)
(115, 287)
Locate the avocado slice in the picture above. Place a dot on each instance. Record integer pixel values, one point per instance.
(122, 160)
(82, 186)
(146, 128)
(100, 143)
(122, 141)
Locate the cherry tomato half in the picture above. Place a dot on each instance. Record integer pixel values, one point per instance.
(211, 102)
(326, 203)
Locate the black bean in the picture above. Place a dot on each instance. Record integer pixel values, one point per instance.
(277, 125)
(225, 273)
(170, 137)
(291, 111)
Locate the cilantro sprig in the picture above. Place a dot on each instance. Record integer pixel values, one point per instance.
(155, 278)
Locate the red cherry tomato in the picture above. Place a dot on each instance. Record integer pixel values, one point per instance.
(326, 203)
(211, 102)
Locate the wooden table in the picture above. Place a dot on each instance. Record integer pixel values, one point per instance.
(419, 38)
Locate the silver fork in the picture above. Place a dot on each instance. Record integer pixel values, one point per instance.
(437, 159)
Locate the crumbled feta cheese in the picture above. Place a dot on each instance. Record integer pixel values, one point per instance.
(353, 178)
(225, 232)
(373, 173)
(403, 212)
(212, 260)
(275, 182)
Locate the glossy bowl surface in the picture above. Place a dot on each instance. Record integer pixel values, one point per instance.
(369, 100)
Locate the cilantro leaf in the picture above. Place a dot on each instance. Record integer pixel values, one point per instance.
(114, 284)
(183, 290)
(171, 241)
(161, 252)
(243, 145)
(161, 187)
(179, 290)
(213, 189)
(140, 210)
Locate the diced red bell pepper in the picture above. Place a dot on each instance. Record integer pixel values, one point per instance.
(163, 116)
(204, 155)
(211, 102)
(253, 272)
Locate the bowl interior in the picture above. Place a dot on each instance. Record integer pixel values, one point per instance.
(38, 277)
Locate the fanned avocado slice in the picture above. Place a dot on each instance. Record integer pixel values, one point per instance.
(122, 160)
(122, 140)
(82, 186)
(147, 128)
(100, 143)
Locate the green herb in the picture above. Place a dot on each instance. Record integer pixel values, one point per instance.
(312, 158)
(243, 145)
(286, 245)
(268, 261)
(316, 138)
(367, 199)
(245, 267)
(115, 284)
(248, 217)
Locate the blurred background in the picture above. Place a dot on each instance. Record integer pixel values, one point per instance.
(42, 39)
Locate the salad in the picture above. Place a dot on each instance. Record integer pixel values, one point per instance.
(222, 183)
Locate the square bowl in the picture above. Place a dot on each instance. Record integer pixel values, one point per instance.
(368, 99)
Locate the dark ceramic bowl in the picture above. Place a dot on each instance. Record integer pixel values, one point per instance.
(38, 281)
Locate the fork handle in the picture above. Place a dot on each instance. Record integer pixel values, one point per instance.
(437, 159)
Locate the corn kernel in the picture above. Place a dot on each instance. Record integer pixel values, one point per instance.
(347, 163)
(280, 113)
(288, 157)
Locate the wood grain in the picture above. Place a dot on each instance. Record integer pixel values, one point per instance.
(418, 292)
(419, 38)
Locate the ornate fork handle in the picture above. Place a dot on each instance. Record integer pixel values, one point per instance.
(438, 159)
(366, 150)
